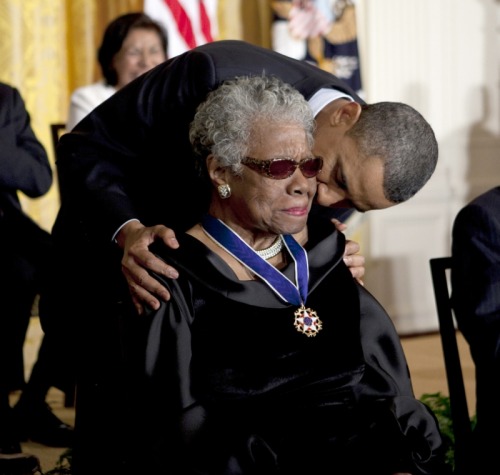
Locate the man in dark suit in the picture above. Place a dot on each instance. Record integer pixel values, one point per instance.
(475, 278)
(128, 177)
(25, 251)
(129, 161)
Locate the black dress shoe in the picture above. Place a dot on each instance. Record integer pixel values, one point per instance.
(19, 464)
(39, 424)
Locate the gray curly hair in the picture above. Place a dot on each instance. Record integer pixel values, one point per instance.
(223, 122)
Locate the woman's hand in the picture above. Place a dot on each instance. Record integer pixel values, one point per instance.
(134, 238)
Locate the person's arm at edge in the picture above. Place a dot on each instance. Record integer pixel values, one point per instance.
(25, 165)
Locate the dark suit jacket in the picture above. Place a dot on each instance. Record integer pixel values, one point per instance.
(24, 164)
(131, 157)
(475, 279)
(476, 264)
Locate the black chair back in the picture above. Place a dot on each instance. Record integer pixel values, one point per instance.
(458, 400)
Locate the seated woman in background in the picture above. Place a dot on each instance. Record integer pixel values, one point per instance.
(132, 44)
(270, 358)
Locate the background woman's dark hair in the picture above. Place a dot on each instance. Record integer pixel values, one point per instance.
(115, 34)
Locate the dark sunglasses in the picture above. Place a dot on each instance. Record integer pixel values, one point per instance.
(281, 168)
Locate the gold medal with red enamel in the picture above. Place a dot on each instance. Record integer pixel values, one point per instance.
(307, 321)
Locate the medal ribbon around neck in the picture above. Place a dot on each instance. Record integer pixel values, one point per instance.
(306, 320)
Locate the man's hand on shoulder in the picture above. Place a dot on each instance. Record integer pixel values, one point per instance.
(134, 238)
(354, 261)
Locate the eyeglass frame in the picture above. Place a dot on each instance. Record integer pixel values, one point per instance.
(263, 166)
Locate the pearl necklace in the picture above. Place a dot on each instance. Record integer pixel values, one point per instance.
(265, 254)
(273, 250)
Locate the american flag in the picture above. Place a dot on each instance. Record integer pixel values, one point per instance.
(189, 23)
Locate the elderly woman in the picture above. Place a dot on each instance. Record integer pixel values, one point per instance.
(270, 358)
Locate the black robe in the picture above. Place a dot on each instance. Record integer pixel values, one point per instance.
(243, 392)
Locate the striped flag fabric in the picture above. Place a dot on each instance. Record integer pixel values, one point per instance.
(189, 23)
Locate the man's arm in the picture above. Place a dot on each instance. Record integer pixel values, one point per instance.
(24, 164)
(130, 158)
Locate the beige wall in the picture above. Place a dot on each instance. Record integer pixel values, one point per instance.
(442, 57)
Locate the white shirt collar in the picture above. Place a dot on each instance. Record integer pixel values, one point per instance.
(323, 97)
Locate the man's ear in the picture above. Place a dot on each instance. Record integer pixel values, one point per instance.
(347, 114)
